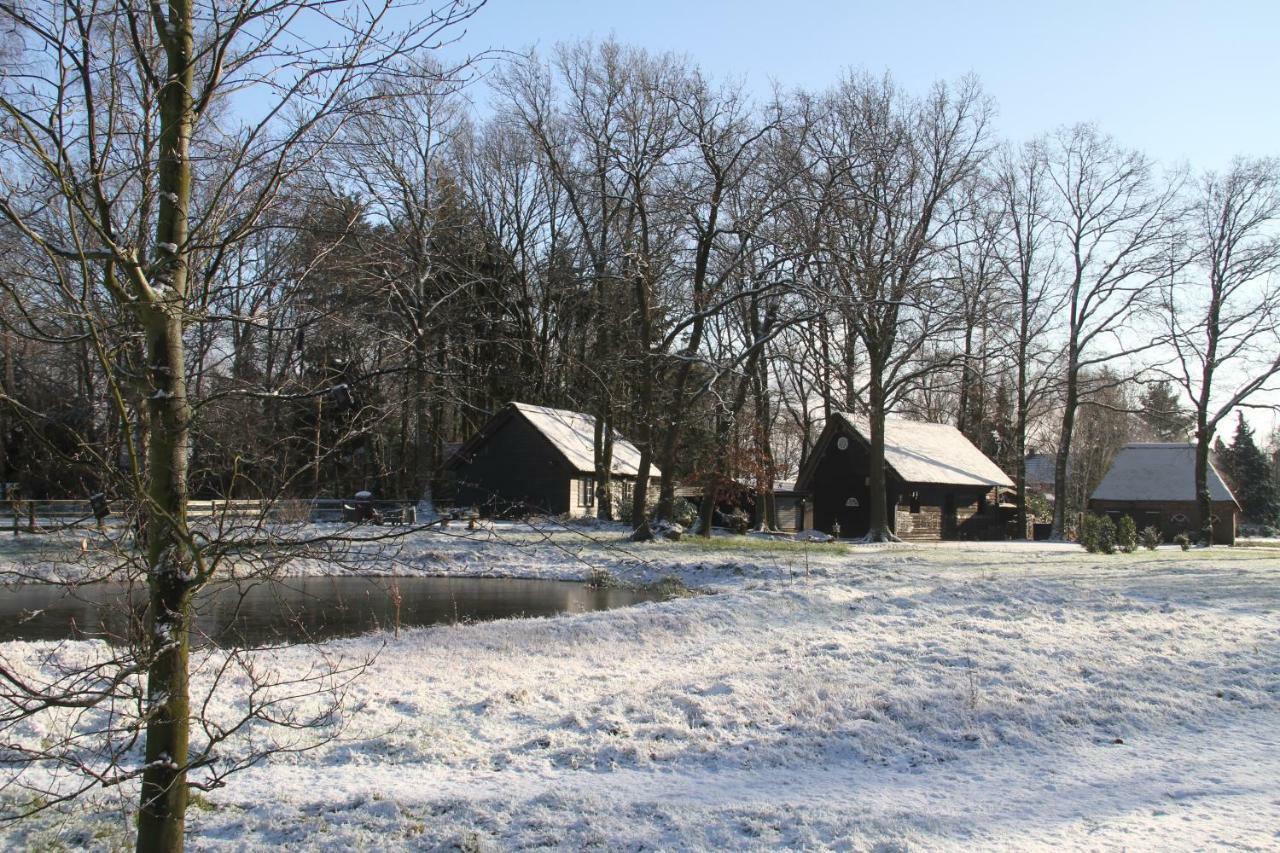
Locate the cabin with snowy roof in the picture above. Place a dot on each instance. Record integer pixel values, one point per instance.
(1155, 484)
(537, 460)
(1041, 473)
(939, 485)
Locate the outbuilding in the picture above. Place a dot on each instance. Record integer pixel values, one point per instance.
(938, 484)
(793, 511)
(1155, 484)
(533, 459)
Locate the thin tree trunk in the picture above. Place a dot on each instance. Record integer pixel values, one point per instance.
(1204, 502)
(163, 805)
(1061, 462)
(878, 523)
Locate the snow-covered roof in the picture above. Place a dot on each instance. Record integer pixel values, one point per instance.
(921, 452)
(1157, 472)
(574, 435)
(1040, 469)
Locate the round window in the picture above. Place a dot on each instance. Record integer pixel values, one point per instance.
(1178, 518)
(842, 443)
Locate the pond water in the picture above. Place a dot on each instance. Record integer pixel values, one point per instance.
(299, 610)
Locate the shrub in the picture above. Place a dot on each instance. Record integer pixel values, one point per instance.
(1106, 535)
(739, 522)
(1150, 538)
(1088, 533)
(1184, 541)
(1127, 534)
(622, 509)
(683, 513)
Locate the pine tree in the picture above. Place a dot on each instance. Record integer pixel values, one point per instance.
(1249, 470)
(1162, 414)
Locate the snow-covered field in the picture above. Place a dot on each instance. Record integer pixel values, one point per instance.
(982, 696)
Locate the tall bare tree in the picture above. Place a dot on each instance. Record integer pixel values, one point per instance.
(125, 167)
(1027, 256)
(889, 168)
(1115, 221)
(1223, 316)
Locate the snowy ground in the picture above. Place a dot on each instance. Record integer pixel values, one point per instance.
(982, 696)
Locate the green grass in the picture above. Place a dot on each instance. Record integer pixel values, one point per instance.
(1253, 543)
(758, 544)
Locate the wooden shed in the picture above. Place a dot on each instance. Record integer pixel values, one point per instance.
(533, 459)
(938, 484)
(1155, 484)
(793, 511)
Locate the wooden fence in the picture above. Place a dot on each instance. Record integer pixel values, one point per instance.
(34, 515)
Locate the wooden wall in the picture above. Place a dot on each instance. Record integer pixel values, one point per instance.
(1164, 515)
(516, 471)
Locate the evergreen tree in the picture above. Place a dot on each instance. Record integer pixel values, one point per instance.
(1162, 414)
(1250, 473)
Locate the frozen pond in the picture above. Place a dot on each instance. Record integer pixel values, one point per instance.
(300, 610)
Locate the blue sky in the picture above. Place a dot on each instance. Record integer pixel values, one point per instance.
(1185, 81)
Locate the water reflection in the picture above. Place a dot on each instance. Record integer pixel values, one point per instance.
(298, 609)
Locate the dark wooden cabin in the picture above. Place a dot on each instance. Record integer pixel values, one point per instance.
(938, 484)
(793, 511)
(532, 459)
(1155, 484)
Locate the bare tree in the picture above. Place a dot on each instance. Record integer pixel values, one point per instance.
(888, 168)
(397, 157)
(1223, 318)
(1115, 223)
(1027, 256)
(125, 170)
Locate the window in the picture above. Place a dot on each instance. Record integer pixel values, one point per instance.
(626, 492)
(586, 491)
(915, 503)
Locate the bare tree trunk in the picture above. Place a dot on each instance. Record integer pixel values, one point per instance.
(1061, 463)
(878, 522)
(1204, 502)
(161, 818)
(604, 462)
(162, 813)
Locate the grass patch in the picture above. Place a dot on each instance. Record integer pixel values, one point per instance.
(670, 587)
(1242, 542)
(760, 544)
(201, 803)
(602, 579)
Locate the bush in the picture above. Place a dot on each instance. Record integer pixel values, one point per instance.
(683, 513)
(1106, 535)
(1184, 541)
(622, 509)
(1127, 534)
(739, 522)
(1150, 538)
(1087, 535)
(1098, 534)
